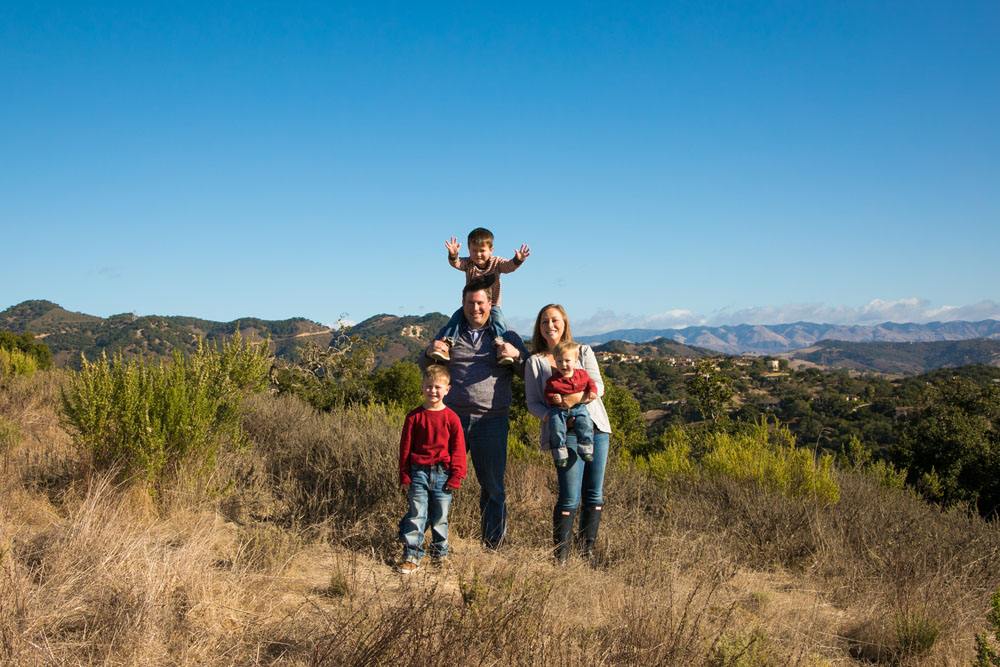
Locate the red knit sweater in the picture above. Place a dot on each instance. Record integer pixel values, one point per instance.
(429, 437)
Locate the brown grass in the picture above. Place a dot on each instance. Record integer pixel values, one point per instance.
(286, 556)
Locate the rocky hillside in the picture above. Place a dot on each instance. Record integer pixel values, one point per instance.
(405, 337)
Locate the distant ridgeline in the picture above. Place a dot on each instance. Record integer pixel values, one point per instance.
(778, 338)
(68, 334)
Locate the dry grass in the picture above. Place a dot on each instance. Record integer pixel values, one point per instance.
(286, 556)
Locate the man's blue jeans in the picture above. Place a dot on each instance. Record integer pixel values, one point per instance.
(429, 502)
(583, 480)
(486, 442)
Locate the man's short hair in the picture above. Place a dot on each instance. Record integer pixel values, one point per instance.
(484, 284)
(479, 236)
(566, 348)
(437, 372)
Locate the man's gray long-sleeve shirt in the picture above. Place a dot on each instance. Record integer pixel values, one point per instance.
(480, 387)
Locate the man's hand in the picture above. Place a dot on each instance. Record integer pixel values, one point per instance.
(436, 346)
(521, 253)
(508, 350)
(452, 245)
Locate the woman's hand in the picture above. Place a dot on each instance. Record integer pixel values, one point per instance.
(569, 400)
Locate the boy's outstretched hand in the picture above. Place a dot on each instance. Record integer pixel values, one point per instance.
(521, 253)
(452, 245)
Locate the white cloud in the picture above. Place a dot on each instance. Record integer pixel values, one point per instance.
(876, 311)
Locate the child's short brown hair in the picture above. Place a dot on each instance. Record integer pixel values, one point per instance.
(437, 372)
(480, 236)
(565, 349)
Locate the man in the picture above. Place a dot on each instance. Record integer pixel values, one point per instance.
(480, 394)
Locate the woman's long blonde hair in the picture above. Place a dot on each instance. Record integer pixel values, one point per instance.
(538, 345)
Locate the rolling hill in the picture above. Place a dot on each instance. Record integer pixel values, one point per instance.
(68, 334)
(900, 358)
(777, 338)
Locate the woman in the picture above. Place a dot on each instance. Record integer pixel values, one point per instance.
(579, 479)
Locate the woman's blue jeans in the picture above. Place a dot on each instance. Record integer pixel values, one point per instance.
(486, 442)
(429, 502)
(583, 480)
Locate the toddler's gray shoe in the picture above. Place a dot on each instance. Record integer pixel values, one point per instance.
(560, 457)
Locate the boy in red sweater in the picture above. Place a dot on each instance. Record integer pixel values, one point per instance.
(431, 465)
(567, 379)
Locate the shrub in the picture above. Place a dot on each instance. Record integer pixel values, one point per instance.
(147, 419)
(986, 655)
(14, 363)
(399, 383)
(916, 633)
(672, 459)
(39, 353)
(774, 462)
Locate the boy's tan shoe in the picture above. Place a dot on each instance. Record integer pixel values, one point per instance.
(443, 357)
(409, 567)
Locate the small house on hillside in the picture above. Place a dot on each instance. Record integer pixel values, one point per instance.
(769, 403)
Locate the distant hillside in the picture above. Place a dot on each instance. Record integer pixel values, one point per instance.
(901, 358)
(661, 347)
(777, 338)
(405, 337)
(68, 333)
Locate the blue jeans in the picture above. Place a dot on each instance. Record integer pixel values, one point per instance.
(583, 427)
(498, 325)
(429, 502)
(582, 479)
(486, 442)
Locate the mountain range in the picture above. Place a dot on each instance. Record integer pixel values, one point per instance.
(778, 338)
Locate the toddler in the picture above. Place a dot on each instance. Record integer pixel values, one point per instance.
(567, 379)
(478, 265)
(431, 464)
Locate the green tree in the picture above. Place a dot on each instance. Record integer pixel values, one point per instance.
(955, 434)
(399, 383)
(710, 390)
(628, 429)
(335, 376)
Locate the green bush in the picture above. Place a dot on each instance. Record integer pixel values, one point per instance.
(38, 353)
(147, 419)
(400, 383)
(773, 461)
(671, 460)
(986, 655)
(14, 363)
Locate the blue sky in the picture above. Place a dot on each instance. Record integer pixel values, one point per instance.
(668, 163)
